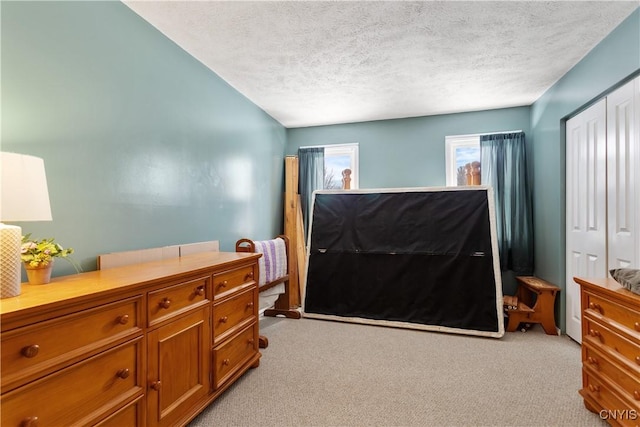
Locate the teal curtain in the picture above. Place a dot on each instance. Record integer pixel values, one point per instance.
(504, 167)
(310, 178)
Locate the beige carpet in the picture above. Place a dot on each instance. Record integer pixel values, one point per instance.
(323, 373)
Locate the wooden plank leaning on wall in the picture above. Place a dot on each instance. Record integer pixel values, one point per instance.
(294, 230)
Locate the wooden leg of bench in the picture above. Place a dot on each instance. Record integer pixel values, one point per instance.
(549, 328)
(544, 312)
(291, 314)
(549, 325)
(514, 322)
(263, 342)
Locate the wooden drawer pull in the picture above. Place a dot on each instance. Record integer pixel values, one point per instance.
(30, 422)
(594, 388)
(595, 306)
(636, 394)
(123, 373)
(250, 305)
(165, 303)
(249, 276)
(250, 341)
(124, 319)
(637, 326)
(223, 284)
(31, 351)
(224, 319)
(638, 360)
(592, 360)
(595, 334)
(226, 362)
(156, 385)
(199, 291)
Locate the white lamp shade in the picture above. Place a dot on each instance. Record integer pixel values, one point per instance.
(24, 196)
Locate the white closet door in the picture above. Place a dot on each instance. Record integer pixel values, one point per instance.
(586, 205)
(623, 174)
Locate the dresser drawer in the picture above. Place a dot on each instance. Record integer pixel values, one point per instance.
(225, 283)
(33, 351)
(626, 379)
(230, 356)
(173, 300)
(130, 415)
(233, 313)
(81, 392)
(601, 335)
(603, 392)
(625, 316)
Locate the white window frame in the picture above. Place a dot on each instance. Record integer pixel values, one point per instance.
(350, 149)
(451, 144)
(456, 141)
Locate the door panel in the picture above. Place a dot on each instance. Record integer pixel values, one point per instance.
(622, 176)
(179, 366)
(586, 205)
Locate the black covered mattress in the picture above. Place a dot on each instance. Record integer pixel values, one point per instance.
(421, 258)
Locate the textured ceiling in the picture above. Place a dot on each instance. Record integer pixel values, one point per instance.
(313, 63)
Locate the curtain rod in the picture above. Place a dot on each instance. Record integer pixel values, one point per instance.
(486, 133)
(327, 145)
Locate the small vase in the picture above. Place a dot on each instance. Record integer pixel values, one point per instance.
(39, 275)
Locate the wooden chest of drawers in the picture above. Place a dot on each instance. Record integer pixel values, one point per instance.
(610, 351)
(149, 345)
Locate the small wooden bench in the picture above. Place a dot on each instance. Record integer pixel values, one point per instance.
(524, 308)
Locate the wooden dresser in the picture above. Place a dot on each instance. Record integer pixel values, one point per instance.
(143, 345)
(610, 351)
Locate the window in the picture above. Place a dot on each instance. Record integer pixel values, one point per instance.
(462, 160)
(339, 160)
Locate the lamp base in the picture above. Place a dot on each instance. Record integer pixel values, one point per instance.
(10, 272)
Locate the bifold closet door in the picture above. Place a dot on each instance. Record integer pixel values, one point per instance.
(586, 202)
(623, 175)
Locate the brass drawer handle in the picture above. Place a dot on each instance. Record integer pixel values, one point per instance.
(224, 319)
(156, 385)
(165, 303)
(199, 291)
(124, 319)
(31, 351)
(594, 388)
(30, 422)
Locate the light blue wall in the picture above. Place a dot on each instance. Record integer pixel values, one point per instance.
(407, 152)
(611, 61)
(143, 145)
